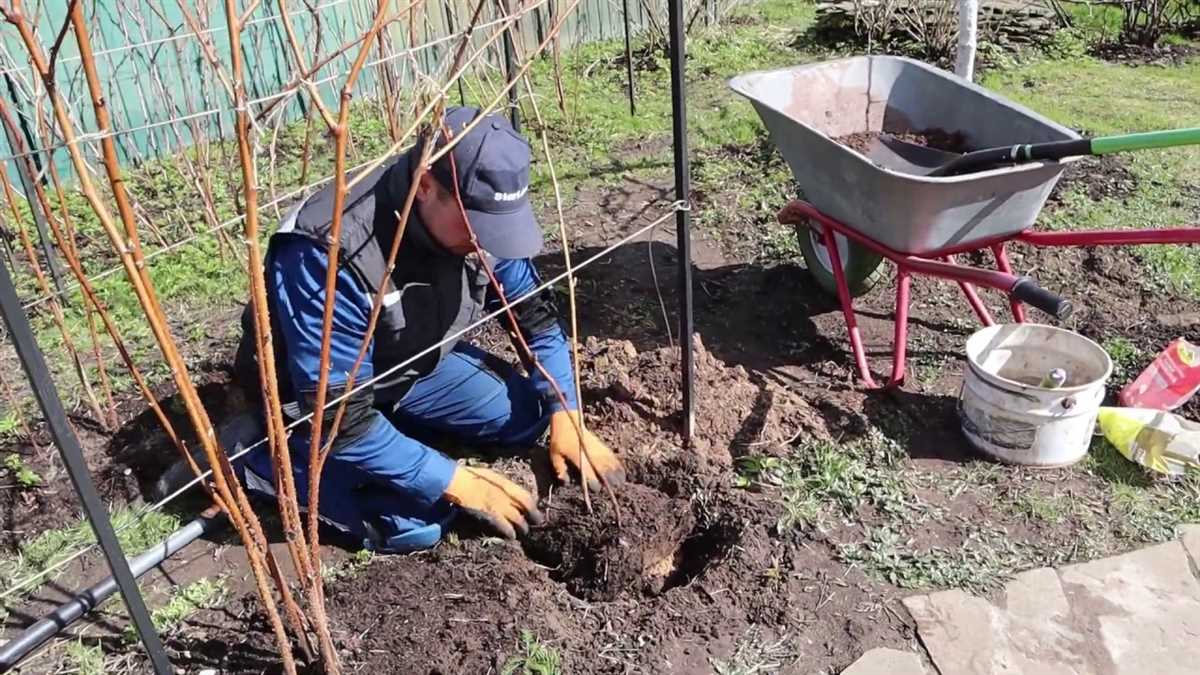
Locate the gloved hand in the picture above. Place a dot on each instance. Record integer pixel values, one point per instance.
(494, 499)
(564, 449)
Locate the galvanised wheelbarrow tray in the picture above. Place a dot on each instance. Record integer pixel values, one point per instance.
(874, 206)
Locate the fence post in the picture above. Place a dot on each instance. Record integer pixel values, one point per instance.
(64, 437)
(683, 217)
(510, 67)
(628, 57)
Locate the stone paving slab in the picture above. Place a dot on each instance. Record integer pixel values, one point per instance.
(1190, 536)
(1132, 614)
(885, 661)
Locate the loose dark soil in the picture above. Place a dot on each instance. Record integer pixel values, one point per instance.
(939, 139)
(1158, 55)
(124, 462)
(596, 558)
(1103, 177)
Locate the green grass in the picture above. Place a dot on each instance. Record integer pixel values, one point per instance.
(84, 659)
(1127, 358)
(184, 602)
(1143, 508)
(754, 655)
(10, 423)
(1103, 98)
(533, 657)
(1050, 509)
(982, 562)
(20, 472)
(53, 546)
(348, 568)
(826, 478)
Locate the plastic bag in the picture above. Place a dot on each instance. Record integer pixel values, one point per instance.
(1168, 382)
(1158, 440)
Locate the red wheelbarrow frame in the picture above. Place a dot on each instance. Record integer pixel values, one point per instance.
(940, 264)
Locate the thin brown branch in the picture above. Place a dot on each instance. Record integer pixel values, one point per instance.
(307, 565)
(298, 54)
(62, 33)
(341, 134)
(566, 249)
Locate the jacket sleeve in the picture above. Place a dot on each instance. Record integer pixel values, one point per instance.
(365, 437)
(539, 323)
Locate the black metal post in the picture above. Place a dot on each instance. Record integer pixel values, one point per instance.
(628, 57)
(462, 97)
(72, 455)
(30, 189)
(539, 27)
(510, 69)
(683, 217)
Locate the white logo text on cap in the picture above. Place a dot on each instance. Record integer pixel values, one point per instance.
(511, 196)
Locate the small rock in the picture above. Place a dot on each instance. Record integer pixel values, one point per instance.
(1190, 535)
(629, 350)
(1184, 320)
(884, 661)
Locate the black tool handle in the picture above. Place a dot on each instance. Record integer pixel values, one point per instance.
(1027, 290)
(982, 159)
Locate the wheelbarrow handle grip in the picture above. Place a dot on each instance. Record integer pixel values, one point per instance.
(1027, 290)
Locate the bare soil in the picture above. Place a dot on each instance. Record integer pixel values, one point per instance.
(1100, 177)
(939, 139)
(1146, 55)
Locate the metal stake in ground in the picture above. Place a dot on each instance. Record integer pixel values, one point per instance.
(72, 455)
(39, 218)
(683, 217)
(628, 57)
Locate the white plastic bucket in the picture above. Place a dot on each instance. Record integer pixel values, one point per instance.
(1004, 411)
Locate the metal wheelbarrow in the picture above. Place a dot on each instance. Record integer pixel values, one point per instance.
(860, 207)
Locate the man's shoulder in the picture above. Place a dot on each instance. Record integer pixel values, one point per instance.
(315, 216)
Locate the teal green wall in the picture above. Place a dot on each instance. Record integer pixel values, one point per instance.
(151, 84)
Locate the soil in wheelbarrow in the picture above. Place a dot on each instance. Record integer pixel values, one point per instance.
(939, 139)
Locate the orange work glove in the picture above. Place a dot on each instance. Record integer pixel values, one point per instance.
(564, 449)
(505, 506)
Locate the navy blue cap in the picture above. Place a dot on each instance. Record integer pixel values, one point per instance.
(492, 164)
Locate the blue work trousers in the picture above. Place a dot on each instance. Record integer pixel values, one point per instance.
(471, 398)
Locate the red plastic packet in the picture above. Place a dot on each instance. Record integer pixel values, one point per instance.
(1168, 382)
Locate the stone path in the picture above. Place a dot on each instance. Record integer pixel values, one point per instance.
(1132, 614)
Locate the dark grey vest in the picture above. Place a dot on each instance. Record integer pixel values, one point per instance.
(431, 294)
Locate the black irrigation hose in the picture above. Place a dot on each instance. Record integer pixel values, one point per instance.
(16, 649)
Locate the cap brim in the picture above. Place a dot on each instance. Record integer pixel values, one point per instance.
(511, 236)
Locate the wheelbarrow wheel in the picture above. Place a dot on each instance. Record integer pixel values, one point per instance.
(862, 266)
